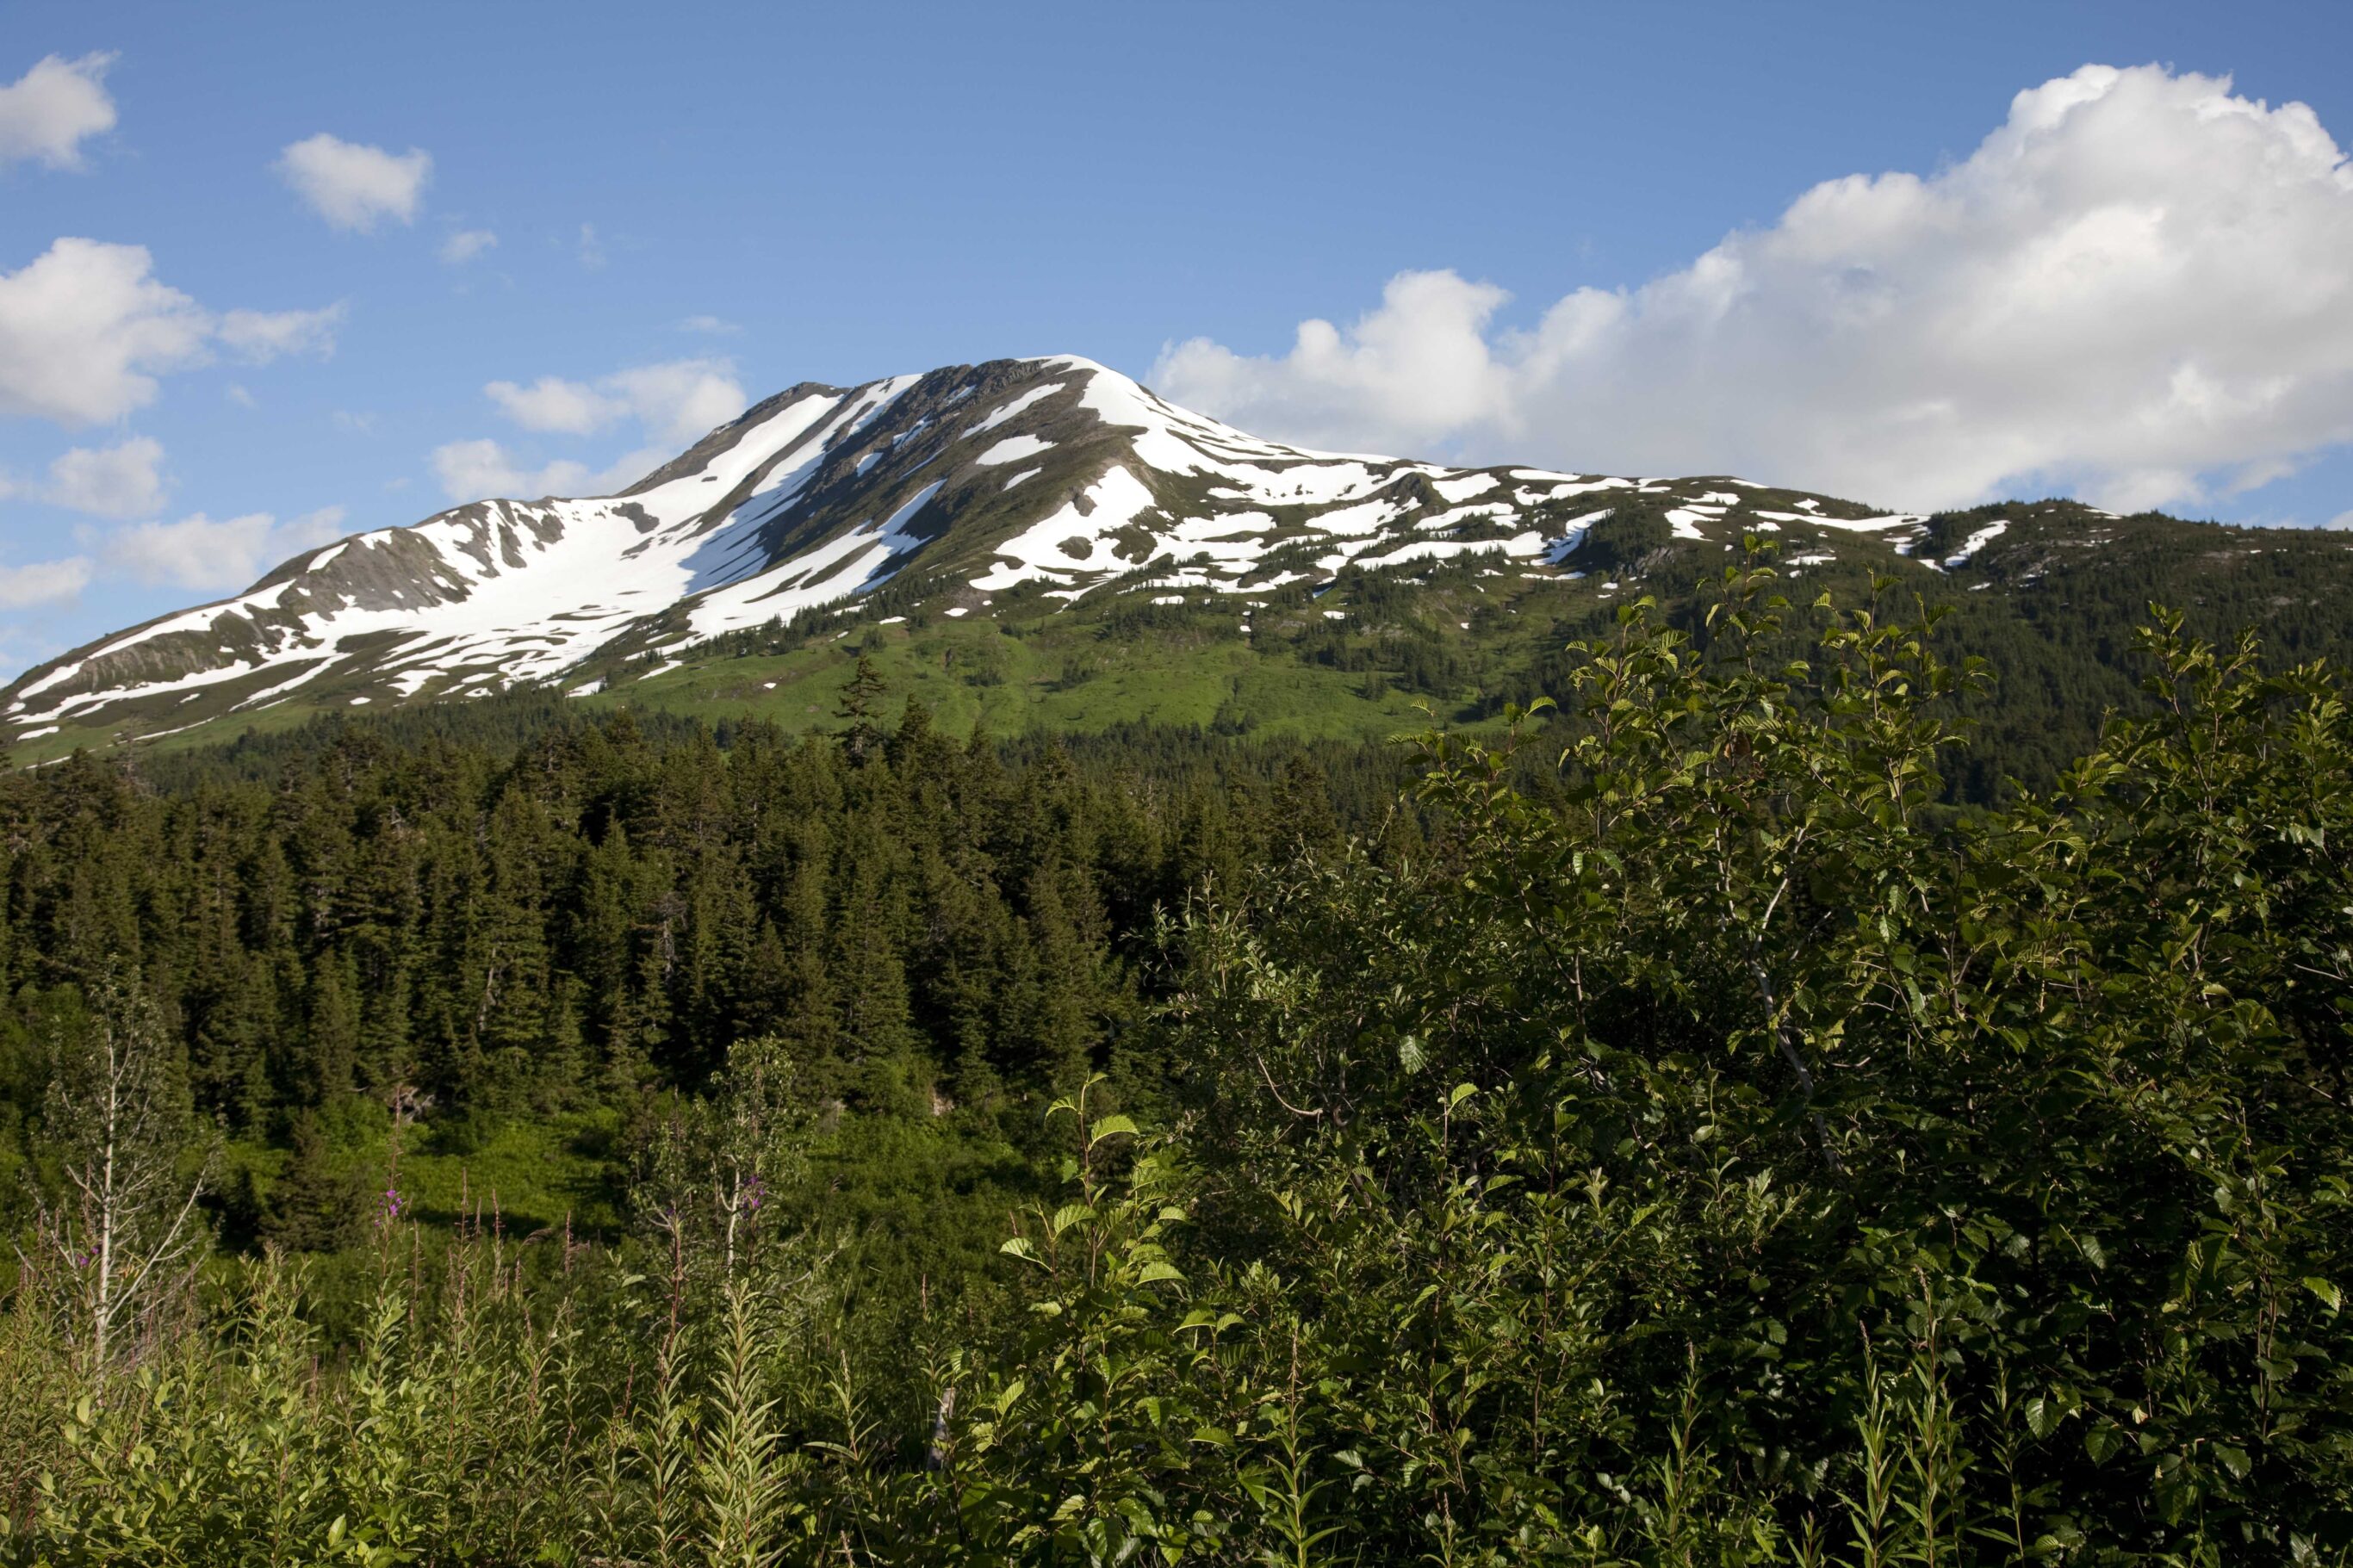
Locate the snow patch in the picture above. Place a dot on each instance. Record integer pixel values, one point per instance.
(1976, 541)
(1012, 449)
(1038, 553)
(1463, 489)
(1034, 396)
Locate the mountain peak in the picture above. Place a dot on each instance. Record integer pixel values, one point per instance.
(1055, 476)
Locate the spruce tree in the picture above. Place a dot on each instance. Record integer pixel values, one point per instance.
(861, 711)
(313, 1207)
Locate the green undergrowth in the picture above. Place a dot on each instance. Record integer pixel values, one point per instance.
(1673, 1137)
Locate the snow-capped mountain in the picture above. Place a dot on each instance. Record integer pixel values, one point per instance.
(1054, 477)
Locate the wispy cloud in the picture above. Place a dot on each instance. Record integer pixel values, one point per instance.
(467, 244)
(259, 336)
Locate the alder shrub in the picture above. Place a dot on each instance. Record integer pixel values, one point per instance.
(1705, 1149)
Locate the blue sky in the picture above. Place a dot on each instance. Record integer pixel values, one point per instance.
(690, 203)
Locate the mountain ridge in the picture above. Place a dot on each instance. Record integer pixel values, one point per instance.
(1052, 481)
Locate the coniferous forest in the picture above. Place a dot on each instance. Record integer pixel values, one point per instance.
(1682, 1128)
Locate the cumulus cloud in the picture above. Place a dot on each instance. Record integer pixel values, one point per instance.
(714, 325)
(46, 113)
(44, 582)
(675, 401)
(259, 336)
(125, 481)
(86, 328)
(553, 404)
(466, 244)
(672, 405)
(2134, 288)
(198, 553)
(354, 186)
(681, 401)
(84, 331)
(473, 470)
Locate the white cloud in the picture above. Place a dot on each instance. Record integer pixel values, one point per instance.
(474, 471)
(591, 250)
(43, 582)
(198, 553)
(2342, 519)
(84, 330)
(354, 186)
(673, 405)
(466, 244)
(237, 393)
(552, 403)
(306, 532)
(259, 336)
(677, 400)
(2135, 287)
(125, 481)
(713, 325)
(680, 402)
(51, 110)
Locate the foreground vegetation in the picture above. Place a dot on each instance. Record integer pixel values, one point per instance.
(1674, 1137)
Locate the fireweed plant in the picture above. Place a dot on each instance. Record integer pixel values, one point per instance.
(1704, 1149)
